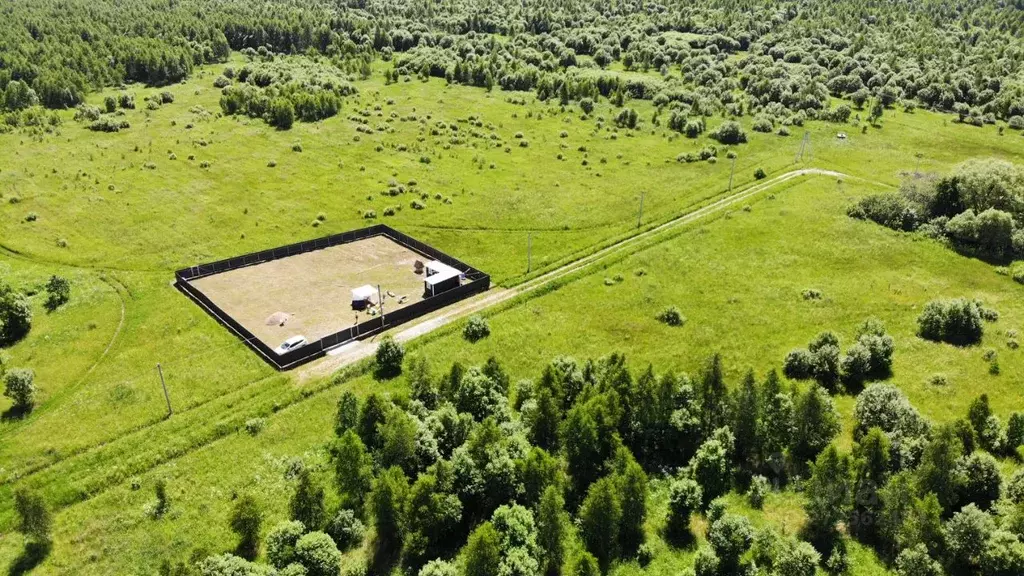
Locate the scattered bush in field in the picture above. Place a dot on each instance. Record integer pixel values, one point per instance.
(15, 315)
(811, 294)
(762, 124)
(109, 124)
(626, 118)
(729, 132)
(957, 321)
(221, 82)
(798, 364)
(891, 210)
(389, 357)
(20, 387)
(417, 205)
(759, 488)
(110, 104)
(126, 101)
(162, 504)
(369, 214)
(90, 113)
(297, 147)
(759, 174)
(587, 105)
(477, 328)
(671, 316)
(254, 426)
(166, 97)
(272, 164)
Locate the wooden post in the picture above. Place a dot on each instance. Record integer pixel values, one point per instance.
(529, 251)
(380, 298)
(640, 216)
(167, 396)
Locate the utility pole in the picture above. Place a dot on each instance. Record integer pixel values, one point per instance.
(640, 216)
(380, 298)
(803, 144)
(732, 170)
(529, 251)
(167, 396)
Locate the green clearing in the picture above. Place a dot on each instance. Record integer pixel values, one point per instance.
(723, 275)
(100, 419)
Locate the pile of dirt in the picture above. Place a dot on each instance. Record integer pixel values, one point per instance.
(278, 319)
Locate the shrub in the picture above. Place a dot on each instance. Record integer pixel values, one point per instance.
(389, 357)
(980, 479)
(729, 132)
(891, 210)
(318, 553)
(19, 386)
(254, 426)
(957, 321)
(759, 488)
(417, 205)
(759, 174)
(221, 82)
(798, 364)
(811, 294)
(671, 316)
(477, 328)
(281, 542)
(109, 124)
(126, 101)
(685, 498)
(58, 292)
(762, 124)
(297, 147)
(346, 530)
(166, 97)
(587, 105)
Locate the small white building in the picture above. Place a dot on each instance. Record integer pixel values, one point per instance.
(440, 278)
(364, 297)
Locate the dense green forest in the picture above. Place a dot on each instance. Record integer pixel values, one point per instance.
(781, 60)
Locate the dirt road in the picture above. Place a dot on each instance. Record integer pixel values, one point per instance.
(356, 351)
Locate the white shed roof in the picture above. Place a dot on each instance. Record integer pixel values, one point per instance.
(365, 292)
(439, 276)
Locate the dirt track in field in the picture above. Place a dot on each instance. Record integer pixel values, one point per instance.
(364, 348)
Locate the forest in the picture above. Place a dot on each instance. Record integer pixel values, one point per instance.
(786, 58)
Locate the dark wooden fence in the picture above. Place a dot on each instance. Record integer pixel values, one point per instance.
(477, 281)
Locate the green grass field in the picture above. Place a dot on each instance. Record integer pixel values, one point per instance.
(101, 415)
(723, 274)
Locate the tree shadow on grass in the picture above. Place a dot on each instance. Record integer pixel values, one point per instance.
(33, 555)
(384, 558)
(14, 413)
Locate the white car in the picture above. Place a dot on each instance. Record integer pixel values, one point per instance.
(291, 344)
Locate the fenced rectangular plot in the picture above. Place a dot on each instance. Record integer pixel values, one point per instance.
(315, 289)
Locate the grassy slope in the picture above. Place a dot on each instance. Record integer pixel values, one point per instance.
(759, 259)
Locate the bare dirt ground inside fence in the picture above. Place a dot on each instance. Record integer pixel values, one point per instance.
(312, 292)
